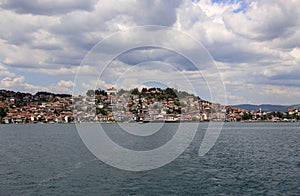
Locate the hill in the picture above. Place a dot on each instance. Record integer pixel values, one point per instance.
(266, 107)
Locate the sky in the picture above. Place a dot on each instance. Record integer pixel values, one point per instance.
(254, 47)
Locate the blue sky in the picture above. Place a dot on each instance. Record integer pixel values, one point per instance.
(255, 45)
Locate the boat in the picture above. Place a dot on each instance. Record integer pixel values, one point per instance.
(171, 121)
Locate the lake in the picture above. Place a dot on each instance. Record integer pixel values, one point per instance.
(247, 159)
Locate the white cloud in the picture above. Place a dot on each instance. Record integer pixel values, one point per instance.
(18, 82)
(9, 82)
(296, 53)
(63, 83)
(5, 73)
(47, 7)
(265, 20)
(255, 48)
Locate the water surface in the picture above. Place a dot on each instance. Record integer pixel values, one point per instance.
(247, 159)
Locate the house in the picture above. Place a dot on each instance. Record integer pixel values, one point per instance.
(111, 91)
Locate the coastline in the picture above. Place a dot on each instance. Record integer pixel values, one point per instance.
(178, 122)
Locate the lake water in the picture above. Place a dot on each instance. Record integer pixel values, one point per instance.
(247, 159)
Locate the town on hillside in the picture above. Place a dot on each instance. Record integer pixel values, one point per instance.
(112, 105)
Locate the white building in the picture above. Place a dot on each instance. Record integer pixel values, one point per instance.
(111, 91)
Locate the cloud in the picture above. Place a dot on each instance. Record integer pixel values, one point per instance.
(8, 82)
(265, 20)
(255, 43)
(47, 7)
(122, 75)
(17, 82)
(5, 73)
(63, 83)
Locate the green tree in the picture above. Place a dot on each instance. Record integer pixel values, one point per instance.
(152, 89)
(20, 104)
(247, 116)
(279, 114)
(144, 90)
(3, 112)
(177, 102)
(135, 91)
(102, 111)
(121, 91)
(90, 93)
(170, 93)
(97, 92)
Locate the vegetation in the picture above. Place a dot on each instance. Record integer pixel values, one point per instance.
(247, 116)
(100, 92)
(3, 112)
(101, 111)
(160, 94)
(42, 93)
(90, 93)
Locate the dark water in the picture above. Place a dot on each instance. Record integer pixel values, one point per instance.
(247, 159)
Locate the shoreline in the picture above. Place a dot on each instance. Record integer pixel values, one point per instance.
(202, 122)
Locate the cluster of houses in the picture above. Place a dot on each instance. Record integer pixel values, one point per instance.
(237, 114)
(148, 105)
(39, 108)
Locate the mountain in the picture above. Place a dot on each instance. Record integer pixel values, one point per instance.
(266, 107)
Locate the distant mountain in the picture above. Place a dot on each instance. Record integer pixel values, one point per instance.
(266, 107)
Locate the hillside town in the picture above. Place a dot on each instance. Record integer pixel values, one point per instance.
(112, 105)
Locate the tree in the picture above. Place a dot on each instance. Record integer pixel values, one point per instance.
(90, 93)
(100, 92)
(102, 111)
(144, 90)
(279, 114)
(247, 116)
(135, 91)
(177, 102)
(121, 91)
(3, 112)
(170, 93)
(152, 89)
